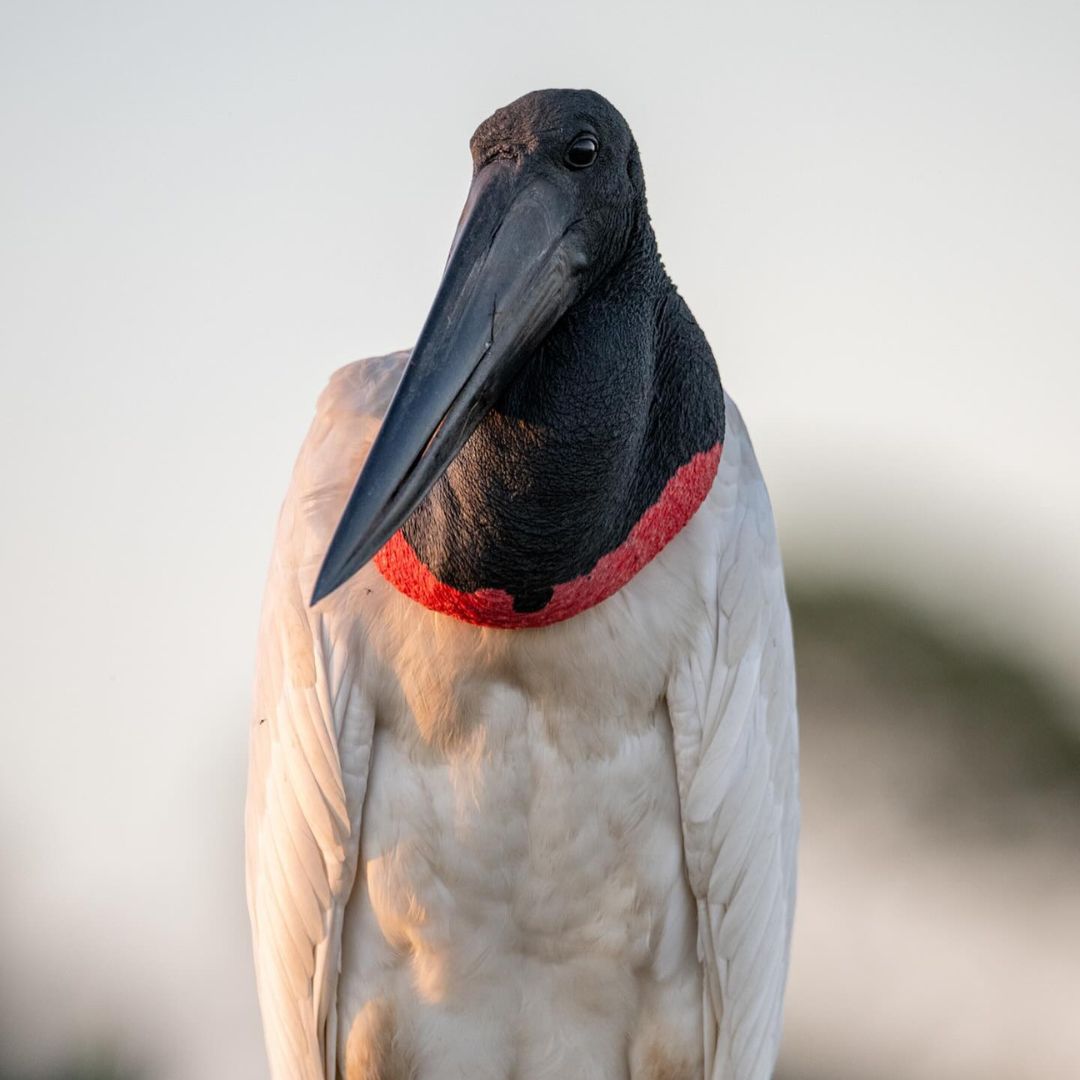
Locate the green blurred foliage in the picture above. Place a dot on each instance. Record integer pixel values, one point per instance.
(981, 737)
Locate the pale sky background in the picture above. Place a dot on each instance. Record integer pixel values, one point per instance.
(872, 208)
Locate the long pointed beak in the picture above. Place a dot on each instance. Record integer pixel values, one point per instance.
(512, 273)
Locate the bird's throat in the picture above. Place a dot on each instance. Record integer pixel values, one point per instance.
(661, 522)
(597, 456)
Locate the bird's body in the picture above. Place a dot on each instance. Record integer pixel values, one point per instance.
(485, 841)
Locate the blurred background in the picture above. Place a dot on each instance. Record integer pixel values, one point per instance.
(872, 209)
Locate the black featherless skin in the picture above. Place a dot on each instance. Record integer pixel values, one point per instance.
(620, 393)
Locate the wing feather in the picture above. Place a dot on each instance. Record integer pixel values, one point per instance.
(732, 706)
(311, 739)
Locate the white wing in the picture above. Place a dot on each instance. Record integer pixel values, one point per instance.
(310, 741)
(732, 707)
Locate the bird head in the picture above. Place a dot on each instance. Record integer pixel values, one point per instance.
(574, 148)
(556, 199)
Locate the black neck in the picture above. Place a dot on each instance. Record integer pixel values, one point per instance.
(622, 393)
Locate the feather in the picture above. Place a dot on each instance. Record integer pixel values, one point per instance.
(311, 740)
(714, 597)
(732, 708)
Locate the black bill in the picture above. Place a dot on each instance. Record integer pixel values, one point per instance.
(512, 273)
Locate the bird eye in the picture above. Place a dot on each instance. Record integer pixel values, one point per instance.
(581, 153)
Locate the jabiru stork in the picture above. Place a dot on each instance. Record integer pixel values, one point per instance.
(523, 787)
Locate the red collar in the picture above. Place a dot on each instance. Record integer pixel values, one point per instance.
(682, 495)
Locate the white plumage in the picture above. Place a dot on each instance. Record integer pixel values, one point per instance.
(557, 852)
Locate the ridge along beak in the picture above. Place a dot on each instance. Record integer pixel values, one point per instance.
(511, 274)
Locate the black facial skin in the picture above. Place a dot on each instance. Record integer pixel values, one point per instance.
(620, 393)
